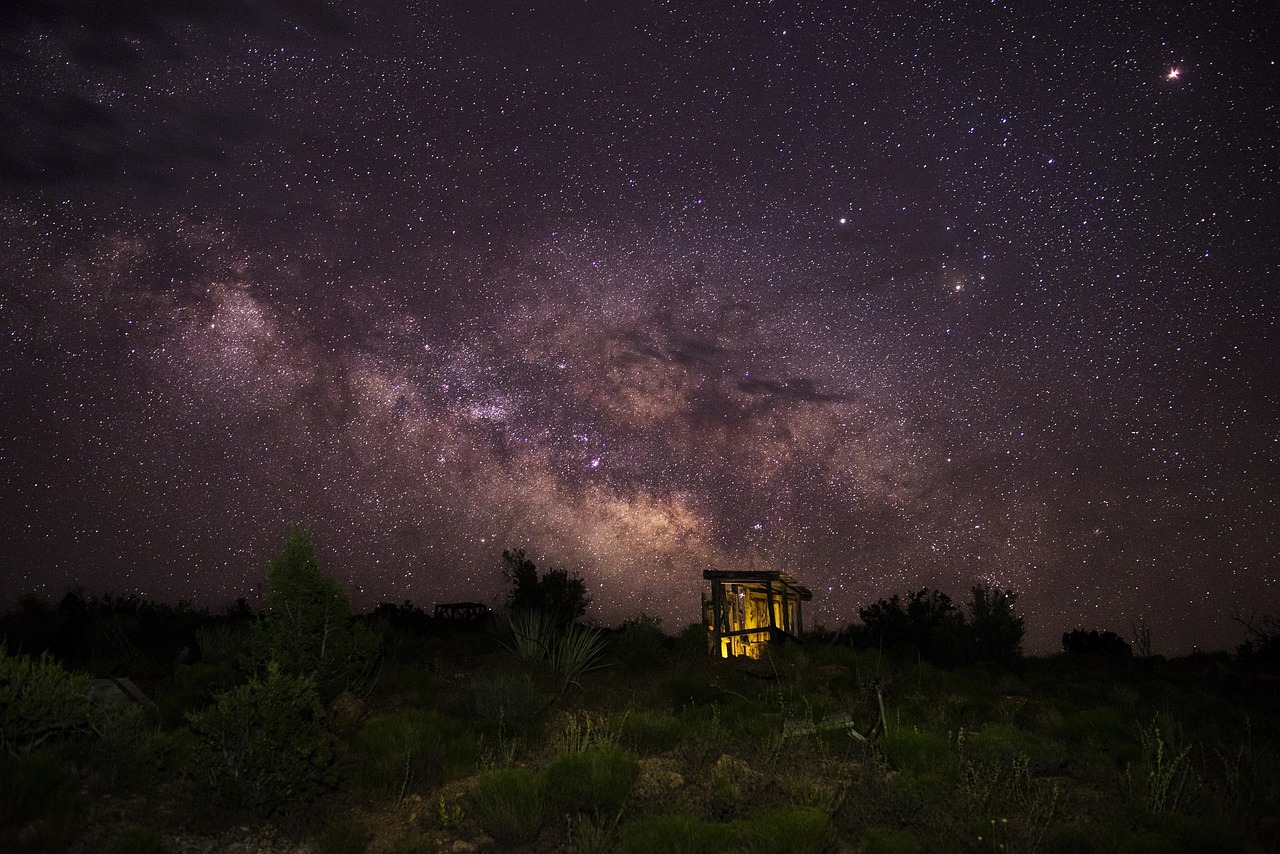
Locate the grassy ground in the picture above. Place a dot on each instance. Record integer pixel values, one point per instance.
(462, 746)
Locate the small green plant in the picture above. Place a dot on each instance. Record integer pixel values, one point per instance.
(448, 817)
(509, 804)
(1167, 771)
(264, 745)
(583, 730)
(596, 781)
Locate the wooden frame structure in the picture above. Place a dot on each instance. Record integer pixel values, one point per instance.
(750, 608)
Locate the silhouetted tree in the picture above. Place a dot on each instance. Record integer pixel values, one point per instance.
(1261, 638)
(926, 621)
(1095, 643)
(995, 629)
(556, 593)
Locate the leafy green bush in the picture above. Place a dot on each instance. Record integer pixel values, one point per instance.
(677, 834)
(264, 745)
(597, 780)
(509, 804)
(38, 803)
(410, 750)
(39, 701)
(309, 628)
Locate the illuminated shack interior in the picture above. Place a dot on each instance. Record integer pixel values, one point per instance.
(749, 608)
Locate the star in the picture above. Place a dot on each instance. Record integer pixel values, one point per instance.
(1174, 73)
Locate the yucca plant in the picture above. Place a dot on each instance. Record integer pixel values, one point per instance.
(532, 634)
(576, 652)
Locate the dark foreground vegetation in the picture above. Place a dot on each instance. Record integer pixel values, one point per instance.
(131, 726)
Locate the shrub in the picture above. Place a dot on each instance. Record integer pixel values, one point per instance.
(264, 745)
(676, 834)
(131, 747)
(921, 752)
(410, 750)
(646, 731)
(693, 642)
(792, 830)
(641, 644)
(38, 803)
(513, 701)
(597, 780)
(509, 804)
(884, 840)
(39, 700)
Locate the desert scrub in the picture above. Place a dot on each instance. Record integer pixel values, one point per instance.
(676, 834)
(509, 804)
(411, 750)
(511, 701)
(647, 731)
(39, 701)
(885, 840)
(920, 752)
(264, 745)
(596, 781)
(641, 645)
(791, 830)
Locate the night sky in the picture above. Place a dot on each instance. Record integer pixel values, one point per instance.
(887, 295)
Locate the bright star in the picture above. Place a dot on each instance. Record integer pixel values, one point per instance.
(1174, 74)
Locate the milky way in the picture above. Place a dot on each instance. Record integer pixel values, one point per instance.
(888, 296)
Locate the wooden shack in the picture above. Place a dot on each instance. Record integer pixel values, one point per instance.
(750, 608)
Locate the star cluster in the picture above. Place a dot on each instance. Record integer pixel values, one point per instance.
(888, 296)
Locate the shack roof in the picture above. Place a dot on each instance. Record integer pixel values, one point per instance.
(756, 576)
